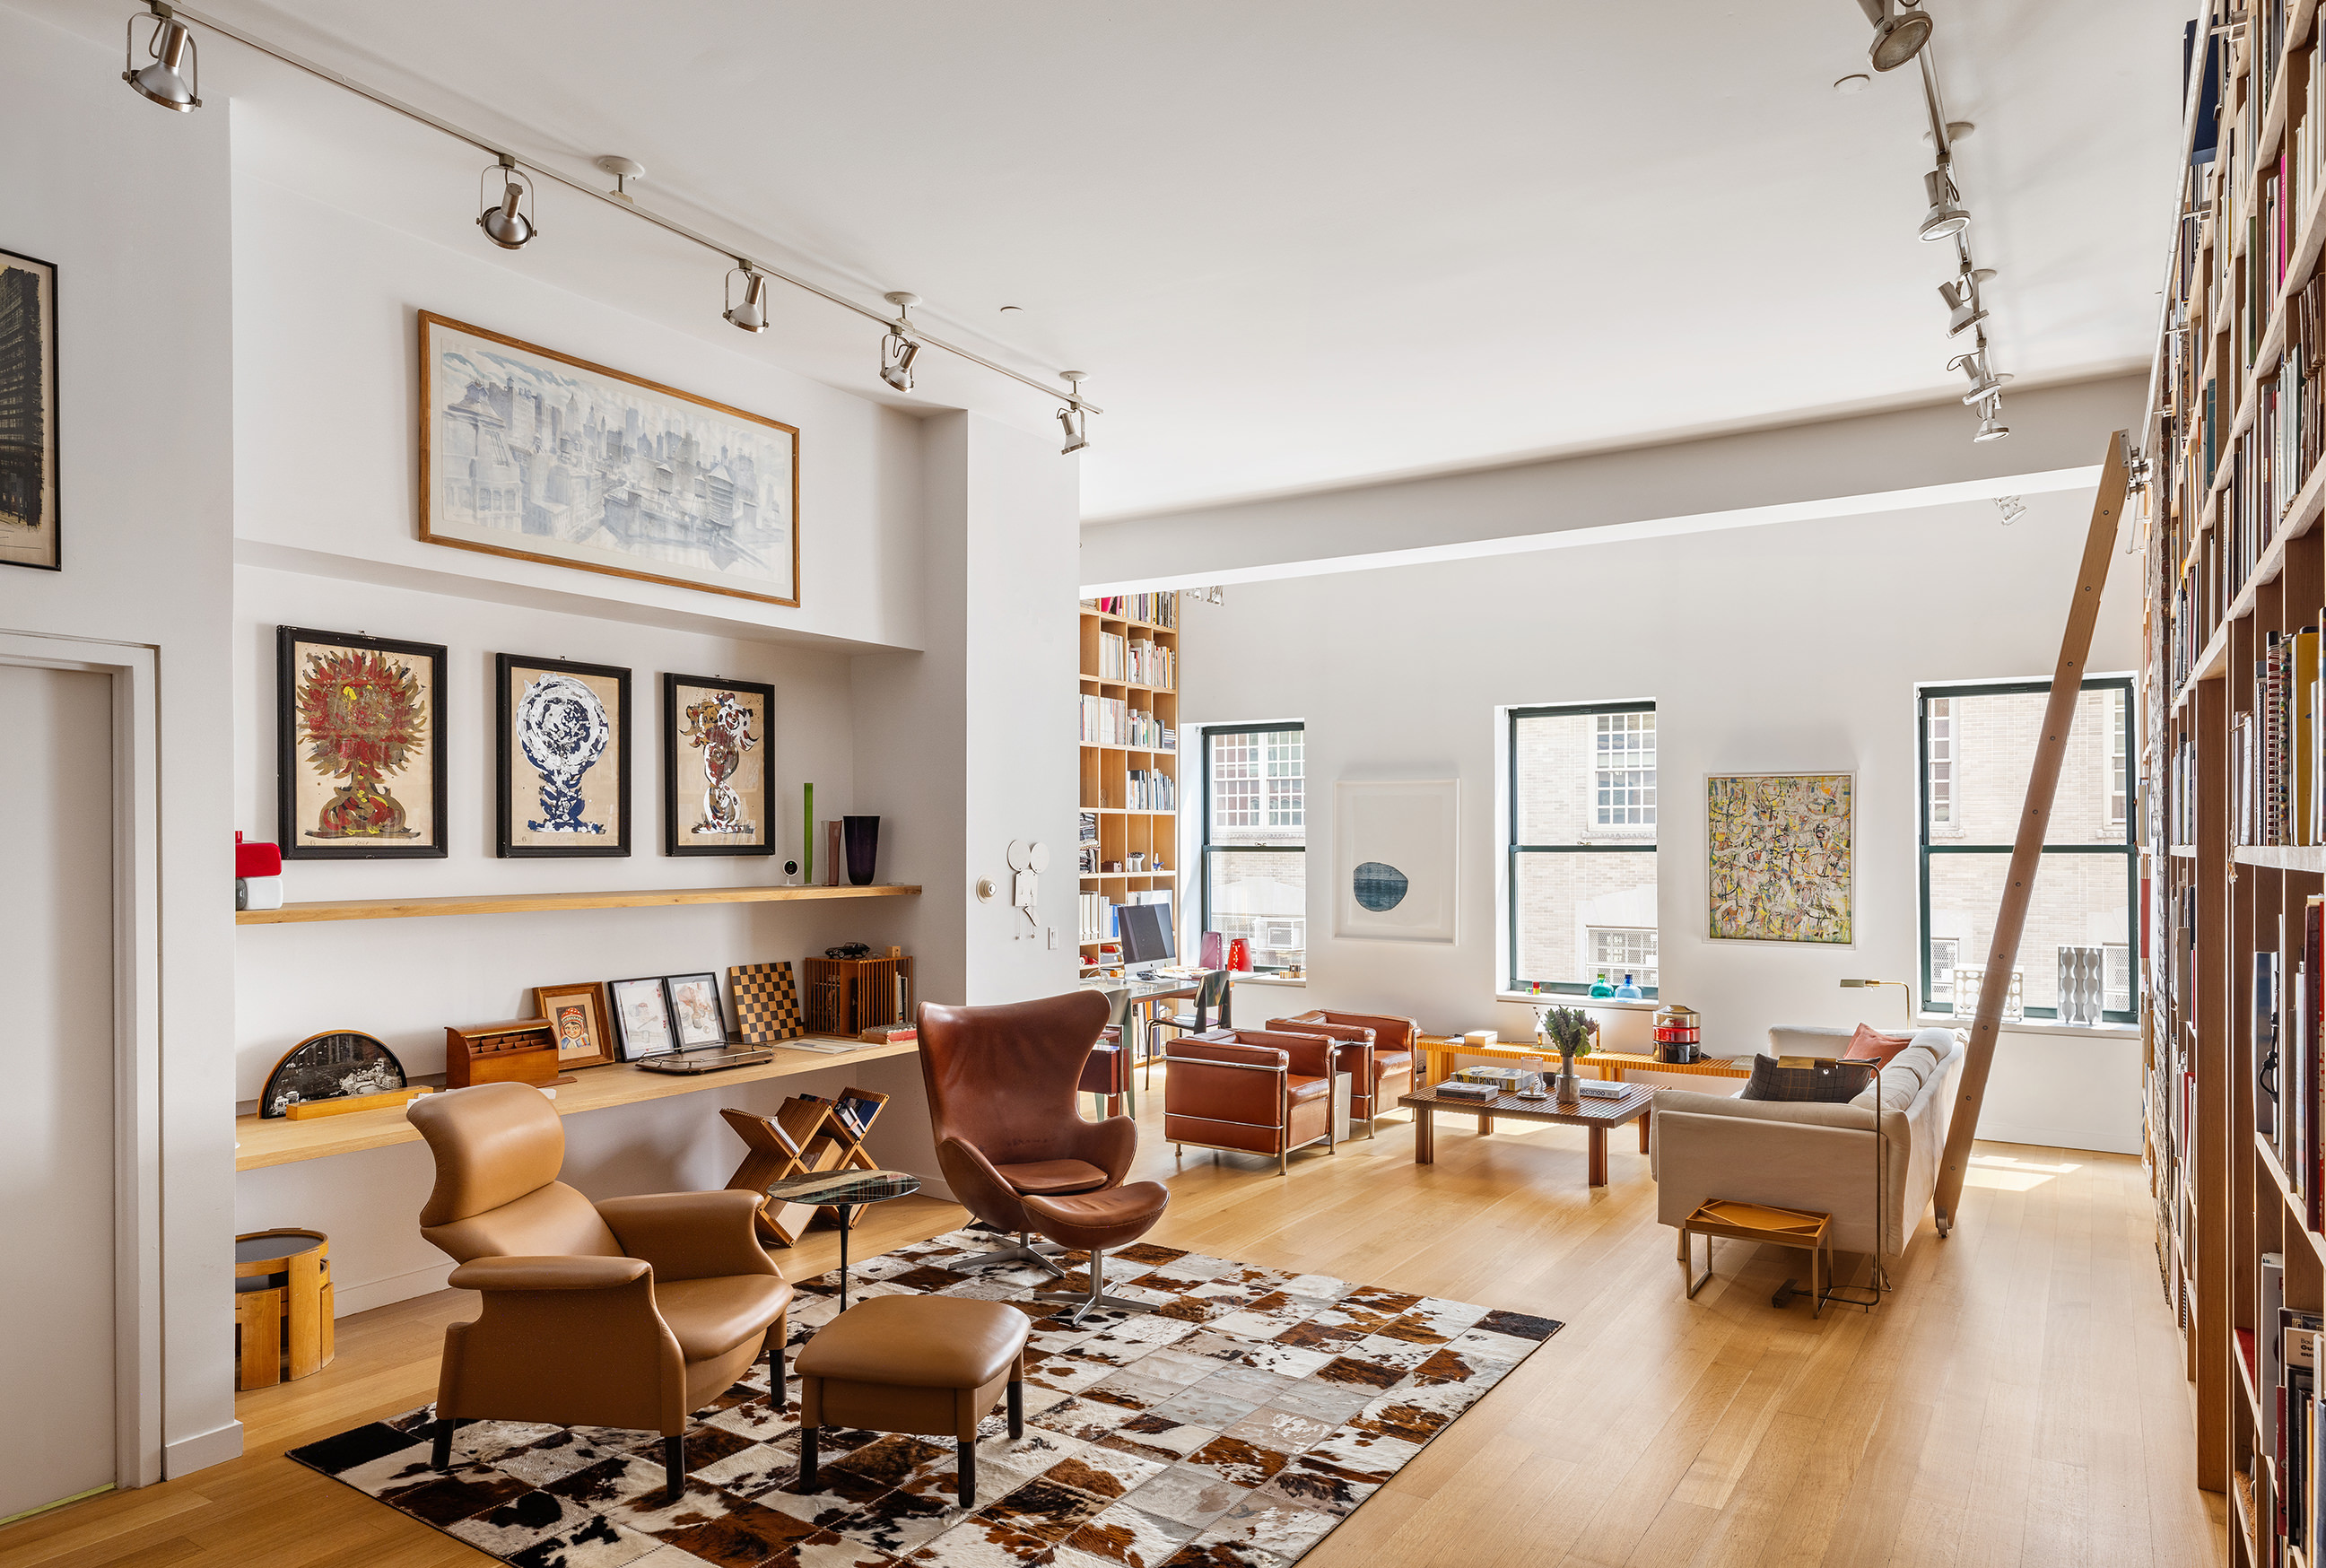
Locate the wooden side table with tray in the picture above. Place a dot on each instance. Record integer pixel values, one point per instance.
(1735, 1221)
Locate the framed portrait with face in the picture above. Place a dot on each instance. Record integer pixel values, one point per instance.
(577, 1022)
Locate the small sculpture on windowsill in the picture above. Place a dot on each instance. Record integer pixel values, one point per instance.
(1569, 1030)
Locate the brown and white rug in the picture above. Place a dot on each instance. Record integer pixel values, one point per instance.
(1233, 1429)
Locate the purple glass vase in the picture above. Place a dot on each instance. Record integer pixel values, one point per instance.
(862, 837)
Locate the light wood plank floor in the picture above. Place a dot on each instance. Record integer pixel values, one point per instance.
(2019, 1400)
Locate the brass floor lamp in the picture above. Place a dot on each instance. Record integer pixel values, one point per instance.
(1881, 1278)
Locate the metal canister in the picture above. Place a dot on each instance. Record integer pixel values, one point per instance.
(1679, 1033)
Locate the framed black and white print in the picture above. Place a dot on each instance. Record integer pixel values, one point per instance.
(718, 767)
(359, 747)
(641, 1011)
(560, 757)
(694, 1012)
(28, 414)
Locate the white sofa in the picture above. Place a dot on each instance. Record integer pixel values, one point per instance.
(1819, 1157)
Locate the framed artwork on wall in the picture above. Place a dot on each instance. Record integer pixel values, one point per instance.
(718, 767)
(641, 1017)
(359, 747)
(1781, 864)
(577, 1022)
(560, 757)
(1393, 858)
(28, 414)
(531, 453)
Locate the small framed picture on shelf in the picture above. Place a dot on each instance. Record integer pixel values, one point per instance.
(695, 1013)
(642, 1018)
(718, 767)
(359, 747)
(561, 758)
(577, 1022)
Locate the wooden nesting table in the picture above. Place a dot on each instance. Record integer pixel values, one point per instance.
(1590, 1112)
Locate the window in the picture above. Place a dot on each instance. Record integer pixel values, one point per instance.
(1582, 845)
(1256, 840)
(2087, 883)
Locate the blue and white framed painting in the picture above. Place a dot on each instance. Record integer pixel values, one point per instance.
(560, 757)
(1393, 858)
(530, 453)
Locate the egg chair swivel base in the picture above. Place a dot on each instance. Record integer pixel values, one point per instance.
(1092, 1222)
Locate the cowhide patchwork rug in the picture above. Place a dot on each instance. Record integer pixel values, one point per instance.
(1234, 1428)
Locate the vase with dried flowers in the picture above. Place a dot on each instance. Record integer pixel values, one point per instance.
(1568, 1030)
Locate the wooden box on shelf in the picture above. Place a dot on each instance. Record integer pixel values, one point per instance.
(519, 1050)
(850, 996)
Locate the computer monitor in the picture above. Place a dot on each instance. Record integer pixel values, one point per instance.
(1145, 932)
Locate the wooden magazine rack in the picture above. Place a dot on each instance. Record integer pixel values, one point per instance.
(807, 1135)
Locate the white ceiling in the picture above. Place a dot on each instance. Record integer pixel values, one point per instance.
(1302, 245)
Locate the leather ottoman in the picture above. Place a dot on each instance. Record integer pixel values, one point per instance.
(931, 1366)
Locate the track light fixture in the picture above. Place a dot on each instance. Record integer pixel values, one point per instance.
(174, 78)
(1984, 383)
(624, 171)
(752, 314)
(1991, 428)
(508, 219)
(1899, 32)
(1074, 419)
(899, 349)
(1963, 310)
(1946, 216)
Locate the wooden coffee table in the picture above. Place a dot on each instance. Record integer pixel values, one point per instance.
(1592, 1113)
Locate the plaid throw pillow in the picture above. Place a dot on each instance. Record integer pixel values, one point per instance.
(1821, 1079)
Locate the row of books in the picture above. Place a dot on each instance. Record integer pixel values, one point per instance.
(1095, 913)
(2181, 787)
(1152, 791)
(2277, 750)
(1113, 721)
(1162, 609)
(2199, 604)
(1121, 658)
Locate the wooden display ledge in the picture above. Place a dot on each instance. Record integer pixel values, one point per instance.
(1440, 1052)
(530, 903)
(279, 1141)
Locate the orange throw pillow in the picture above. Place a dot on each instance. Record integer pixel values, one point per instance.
(1870, 1044)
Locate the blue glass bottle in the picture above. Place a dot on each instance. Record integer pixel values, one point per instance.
(1627, 991)
(1599, 986)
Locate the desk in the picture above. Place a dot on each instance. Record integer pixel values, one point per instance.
(279, 1141)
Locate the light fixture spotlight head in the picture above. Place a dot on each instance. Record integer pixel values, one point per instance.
(1898, 34)
(1992, 429)
(898, 351)
(1963, 310)
(174, 79)
(508, 218)
(751, 315)
(1074, 419)
(1946, 217)
(2010, 508)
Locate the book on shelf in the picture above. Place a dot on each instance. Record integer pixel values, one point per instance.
(1162, 609)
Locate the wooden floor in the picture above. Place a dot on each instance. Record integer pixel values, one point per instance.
(2019, 1400)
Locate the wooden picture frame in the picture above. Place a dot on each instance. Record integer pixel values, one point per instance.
(369, 710)
(579, 1023)
(610, 472)
(709, 724)
(31, 486)
(561, 758)
(640, 1010)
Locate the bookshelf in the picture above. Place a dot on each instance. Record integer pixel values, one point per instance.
(1129, 755)
(2234, 730)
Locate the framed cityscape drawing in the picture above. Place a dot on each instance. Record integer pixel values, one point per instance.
(718, 767)
(1782, 857)
(561, 758)
(531, 453)
(28, 414)
(359, 747)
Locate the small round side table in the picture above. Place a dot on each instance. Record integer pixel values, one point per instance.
(281, 1306)
(844, 1197)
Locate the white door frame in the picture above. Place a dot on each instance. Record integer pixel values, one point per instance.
(137, 1032)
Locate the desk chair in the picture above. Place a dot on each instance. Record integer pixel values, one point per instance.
(1212, 995)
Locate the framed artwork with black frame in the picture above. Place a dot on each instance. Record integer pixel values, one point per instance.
(359, 747)
(28, 414)
(718, 767)
(695, 1017)
(642, 1023)
(561, 758)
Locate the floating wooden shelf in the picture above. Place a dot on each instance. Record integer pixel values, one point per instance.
(260, 1142)
(535, 903)
(2282, 856)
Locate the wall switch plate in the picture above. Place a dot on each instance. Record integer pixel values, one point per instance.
(1054, 939)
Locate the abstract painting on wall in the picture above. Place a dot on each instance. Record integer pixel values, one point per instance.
(28, 412)
(1393, 855)
(560, 757)
(1779, 846)
(359, 747)
(718, 767)
(528, 453)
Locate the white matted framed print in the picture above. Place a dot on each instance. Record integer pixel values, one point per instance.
(1781, 857)
(1393, 858)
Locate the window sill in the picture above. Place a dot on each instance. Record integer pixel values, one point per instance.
(1566, 1000)
(2036, 1026)
(1245, 977)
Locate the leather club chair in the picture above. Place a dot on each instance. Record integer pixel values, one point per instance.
(630, 1312)
(1013, 1147)
(1256, 1091)
(1395, 1040)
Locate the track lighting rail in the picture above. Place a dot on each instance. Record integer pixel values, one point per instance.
(724, 251)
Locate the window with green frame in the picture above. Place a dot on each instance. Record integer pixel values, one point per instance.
(1976, 746)
(1255, 857)
(1581, 843)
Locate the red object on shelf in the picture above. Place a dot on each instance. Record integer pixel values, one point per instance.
(1240, 955)
(256, 859)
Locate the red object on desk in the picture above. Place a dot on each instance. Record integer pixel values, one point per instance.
(1240, 955)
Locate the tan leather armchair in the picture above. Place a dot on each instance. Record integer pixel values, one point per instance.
(631, 1312)
(1391, 1069)
(1257, 1091)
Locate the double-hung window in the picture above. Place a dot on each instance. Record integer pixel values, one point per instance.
(1582, 845)
(1977, 748)
(1255, 863)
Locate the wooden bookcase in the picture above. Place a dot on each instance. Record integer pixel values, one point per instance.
(1131, 776)
(2228, 519)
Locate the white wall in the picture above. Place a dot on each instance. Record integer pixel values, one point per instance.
(131, 203)
(1781, 648)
